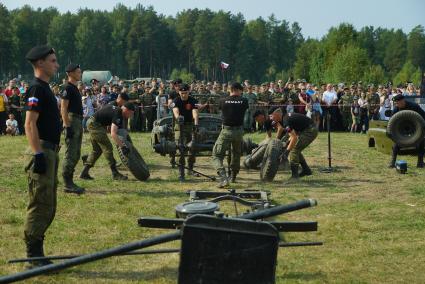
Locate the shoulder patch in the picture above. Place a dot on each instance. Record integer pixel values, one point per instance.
(33, 102)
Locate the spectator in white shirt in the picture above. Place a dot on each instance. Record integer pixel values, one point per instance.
(12, 125)
(329, 98)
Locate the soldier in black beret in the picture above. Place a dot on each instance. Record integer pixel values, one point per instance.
(42, 128)
(72, 117)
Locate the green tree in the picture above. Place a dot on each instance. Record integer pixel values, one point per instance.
(93, 41)
(416, 47)
(349, 65)
(375, 74)
(395, 53)
(305, 55)
(61, 36)
(409, 73)
(7, 43)
(202, 43)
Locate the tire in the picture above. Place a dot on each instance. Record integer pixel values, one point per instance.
(133, 161)
(253, 160)
(270, 162)
(406, 128)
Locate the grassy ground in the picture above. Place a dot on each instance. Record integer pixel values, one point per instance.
(371, 219)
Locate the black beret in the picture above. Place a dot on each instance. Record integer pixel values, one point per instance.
(184, 87)
(124, 96)
(129, 106)
(398, 97)
(72, 67)
(237, 86)
(39, 52)
(93, 80)
(178, 81)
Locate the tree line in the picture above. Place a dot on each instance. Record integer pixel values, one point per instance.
(140, 42)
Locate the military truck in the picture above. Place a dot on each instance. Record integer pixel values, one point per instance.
(406, 128)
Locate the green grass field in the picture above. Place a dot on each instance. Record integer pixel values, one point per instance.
(371, 219)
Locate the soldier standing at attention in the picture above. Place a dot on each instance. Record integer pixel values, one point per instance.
(185, 113)
(72, 117)
(112, 116)
(43, 129)
(233, 109)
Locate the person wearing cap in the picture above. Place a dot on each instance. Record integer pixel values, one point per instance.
(43, 130)
(112, 116)
(302, 132)
(252, 101)
(186, 122)
(147, 104)
(72, 117)
(233, 109)
(401, 104)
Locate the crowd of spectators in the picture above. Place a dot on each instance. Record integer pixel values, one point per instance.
(342, 107)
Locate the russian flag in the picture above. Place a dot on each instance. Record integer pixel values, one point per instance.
(32, 102)
(224, 65)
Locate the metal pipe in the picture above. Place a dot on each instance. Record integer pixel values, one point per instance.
(301, 244)
(58, 257)
(281, 209)
(91, 257)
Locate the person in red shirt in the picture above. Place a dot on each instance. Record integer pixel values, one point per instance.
(9, 90)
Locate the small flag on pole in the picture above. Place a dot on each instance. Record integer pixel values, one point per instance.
(224, 65)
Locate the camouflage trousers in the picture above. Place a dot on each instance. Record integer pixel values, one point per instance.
(184, 132)
(73, 146)
(305, 138)
(230, 138)
(42, 190)
(100, 144)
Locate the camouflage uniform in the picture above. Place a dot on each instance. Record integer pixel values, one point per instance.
(248, 118)
(147, 101)
(100, 143)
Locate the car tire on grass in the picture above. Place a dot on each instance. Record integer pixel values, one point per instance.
(270, 162)
(133, 161)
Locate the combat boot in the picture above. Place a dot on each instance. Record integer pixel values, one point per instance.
(392, 161)
(294, 173)
(35, 249)
(306, 171)
(190, 171)
(233, 176)
(71, 187)
(85, 173)
(420, 163)
(181, 174)
(224, 181)
(116, 175)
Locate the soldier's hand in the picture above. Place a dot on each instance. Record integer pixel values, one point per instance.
(40, 166)
(196, 129)
(69, 133)
(125, 150)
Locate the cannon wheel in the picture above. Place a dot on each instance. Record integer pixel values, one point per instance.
(406, 128)
(270, 163)
(133, 161)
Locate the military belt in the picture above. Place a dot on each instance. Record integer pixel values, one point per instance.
(49, 145)
(232, 127)
(75, 115)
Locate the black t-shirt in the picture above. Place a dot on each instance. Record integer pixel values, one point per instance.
(109, 114)
(173, 95)
(42, 100)
(411, 106)
(233, 110)
(186, 107)
(72, 94)
(298, 122)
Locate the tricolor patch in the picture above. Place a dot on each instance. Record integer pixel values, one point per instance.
(32, 102)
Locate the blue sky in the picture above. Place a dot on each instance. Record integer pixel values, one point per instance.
(314, 17)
